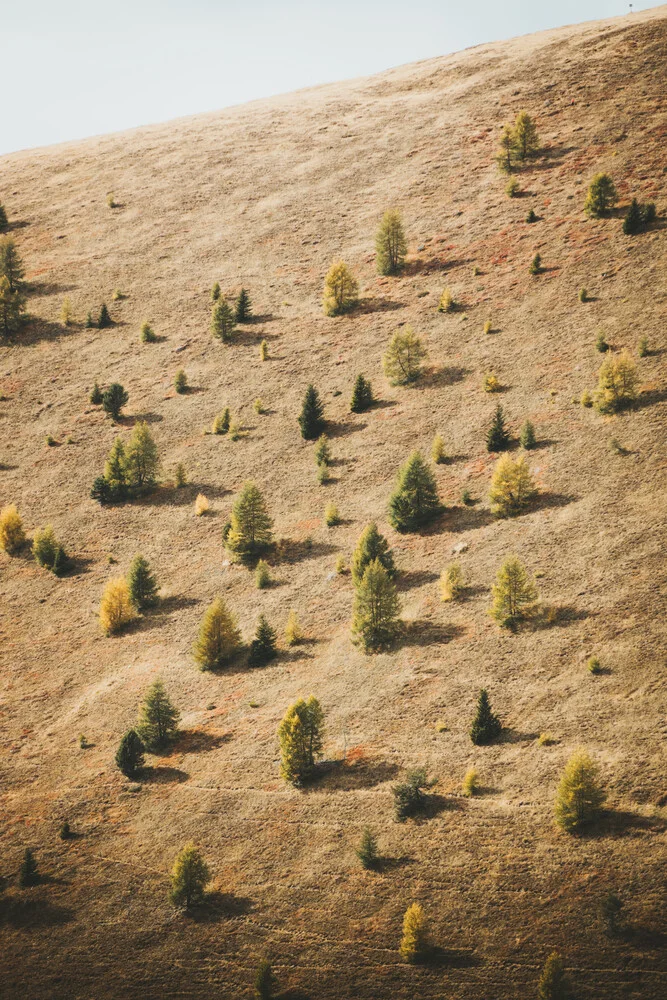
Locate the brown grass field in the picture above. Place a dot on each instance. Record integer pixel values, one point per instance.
(266, 196)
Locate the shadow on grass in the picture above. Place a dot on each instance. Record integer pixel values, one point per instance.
(339, 430)
(343, 775)
(219, 906)
(423, 632)
(129, 420)
(163, 775)
(450, 958)
(291, 550)
(435, 378)
(650, 398)
(623, 823)
(34, 330)
(469, 518)
(558, 616)
(408, 579)
(386, 864)
(509, 735)
(378, 305)
(201, 741)
(25, 912)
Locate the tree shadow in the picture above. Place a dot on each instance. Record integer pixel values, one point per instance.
(547, 501)
(509, 735)
(294, 654)
(641, 936)
(34, 330)
(650, 398)
(163, 775)
(175, 602)
(218, 905)
(192, 390)
(34, 912)
(450, 958)
(201, 741)
(383, 404)
(623, 823)
(49, 288)
(135, 418)
(433, 805)
(557, 616)
(291, 550)
(469, 518)
(378, 305)
(408, 579)
(259, 318)
(343, 429)
(435, 263)
(387, 864)
(435, 378)
(344, 775)
(18, 224)
(422, 632)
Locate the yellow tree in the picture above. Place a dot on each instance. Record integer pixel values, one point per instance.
(618, 381)
(12, 535)
(116, 609)
(579, 797)
(219, 638)
(514, 594)
(402, 362)
(414, 943)
(341, 291)
(512, 486)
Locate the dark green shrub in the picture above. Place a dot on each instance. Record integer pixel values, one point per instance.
(311, 419)
(415, 500)
(90, 323)
(610, 912)
(536, 264)
(367, 852)
(130, 754)
(632, 222)
(114, 399)
(65, 832)
(263, 647)
(497, 437)
(180, 382)
(3, 219)
(96, 395)
(48, 552)
(409, 798)
(485, 726)
(531, 217)
(104, 319)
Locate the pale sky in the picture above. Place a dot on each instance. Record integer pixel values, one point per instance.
(74, 68)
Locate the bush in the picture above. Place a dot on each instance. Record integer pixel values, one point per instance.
(594, 665)
(601, 197)
(375, 617)
(96, 395)
(158, 719)
(219, 638)
(402, 361)
(491, 383)
(301, 735)
(180, 381)
(648, 213)
(601, 344)
(390, 244)
(536, 264)
(130, 754)
(553, 983)
(586, 399)
(415, 500)
(222, 421)
(618, 381)
(311, 419)
(65, 831)
(451, 582)
(470, 783)
(262, 575)
(265, 981)
(323, 451)
(180, 476)
(341, 566)
(12, 535)
(514, 594)
(367, 852)
(497, 436)
(545, 740)
(250, 533)
(583, 295)
(258, 406)
(527, 438)
(323, 476)
(28, 872)
(116, 609)
(264, 351)
(114, 399)
(486, 726)
(331, 515)
(234, 431)
(243, 308)
(147, 334)
(408, 797)
(531, 217)
(512, 188)
(526, 139)
(189, 877)
(263, 647)
(487, 328)
(438, 453)
(341, 291)
(362, 395)
(222, 321)
(642, 347)
(414, 943)
(90, 323)
(104, 319)
(580, 797)
(293, 632)
(66, 315)
(446, 303)
(371, 545)
(202, 506)
(512, 487)
(48, 552)
(141, 584)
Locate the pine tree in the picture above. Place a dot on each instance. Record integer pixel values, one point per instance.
(527, 438)
(367, 852)
(222, 421)
(301, 735)
(180, 475)
(48, 552)
(12, 535)
(189, 877)
(531, 216)
(222, 321)
(28, 872)
(141, 584)
(250, 533)
(116, 610)
(341, 291)
(402, 361)
(553, 983)
(263, 647)
(390, 244)
(485, 726)
(601, 197)
(375, 618)
(371, 545)
(322, 450)
(610, 910)
(96, 395)
(266, 983)
(497, 437)
(3, 218)
(505, 154)
(415, 500)
(632, 222)
(514, 594)
(243, 308)
(130, 754)
(158, 719)
(215, 292)
(114, 471)
(142, 461)
(293, 632)
(618, 382)
(536, 264)
(101, 491)
(114, 400)
(311, 420)
(90, 323)
(12, 305)
(526, 139)
(414, 943)
(147, 333)
(219, 638)
(648, 213)
(512, 487)
(580, 797)
(104, 319)
(362, 395)
(180, 382)
(11, 265)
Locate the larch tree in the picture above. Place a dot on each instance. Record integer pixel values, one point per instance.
(341, 290)
(250, 531)
(512, 486)
(415, 500)
(371, 545)
(219, 638)
(506, 150)
(11, 265)
(403, 359)
(526, 139)
(601, 196)
(553, 984)
(414, 942)
(12, 305)
(116, 609)
(375, 617)
(390, 244)
(189, 877)
(580, 796)
(618, 382)
(222, 321)
(142, 461)
(301, 735)
(12, 534)
(514, 594)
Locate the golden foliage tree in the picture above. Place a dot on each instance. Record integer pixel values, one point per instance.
(141, 461)
(514, 594)
(189, 877)
(116, 609)
(390, 244)
(301, 735)
(618, 381)
(402, 361)
(512, 486)
(371, 545)
(219, 638)
(601, 196)
(341, 290)
(553, 984)
(414, 943)
(526, 139)
(451, 582)
(12, 535)
(580, 796)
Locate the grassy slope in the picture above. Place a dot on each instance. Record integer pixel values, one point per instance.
(266, 196)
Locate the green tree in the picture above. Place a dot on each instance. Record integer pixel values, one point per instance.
(341, 291)
(526, 139)
(141, 459)
(189, 877)
(12, 305)
(311, 419)
(362, 395)
(323, 450)
(390, 244)
(610, 912)
(601, 197)
(263, 647)
(415, 500)
(497, 436)
(301, 735)
(3, 218)
(485, 726)
(402, 361)
(130, 754)
(506, 150)
(28, 872)
(215, 292)
(536, 264)
(243, 307)
(222, 421)
(114, 472)
(553, 984)
(414, 943)
(409, 796)
(632, 222)
(367, 852)
(371, 545)
(11, 265)
(250, 533)
(580, 797)
(222, 321)
(114, 399)
(266, 983)
(141, 584)
(514, 594)
(104, 319)
(375, 617)
(219, 638)
(527, 437)
(96, 395)
(48, 551)
(180, 382)
(512, 487)
(158, 718)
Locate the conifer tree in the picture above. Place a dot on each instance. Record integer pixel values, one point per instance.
(116, 610)
(266, 983)
(263, 647)
(375, 618)
(28, 872)
(262, 575)
(114, 399)
(250, 533)
(90, 323)
(311, 419)
(189, 877)
(12, 305)
(580, 797)
(222, 421)
(601, 197)
(180, 382)
(367, 852)
(497, 437)
(293, 632)
(11, 265)
(96, 395)
(158, 719)
(3, 218)
(101, 491)
(485, 726)
(341, 291)
(536, 264)
(415, 500)
(526, 139)
(48, 552)
(531, 216)
(141, 463)
(141, 584)
(527, 438)
(505, 154)
(514, 594)
(147, 333)
(632, 222)
(219, 638)
(414, 943)
(362, 395)
(371, 545)
(130, 754)
(402, 361)
(12, 535)
(618, 381)
(408, 796)
(451, 582)
(222, 321)
(553, 984)
(104, 319)
(322, 450)
(301, 735)
(215, 291)
(390, 244)
(114, 471)
(438, 454)
(512, 487)
(243, 307)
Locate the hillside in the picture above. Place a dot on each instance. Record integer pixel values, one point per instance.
(266, 196)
